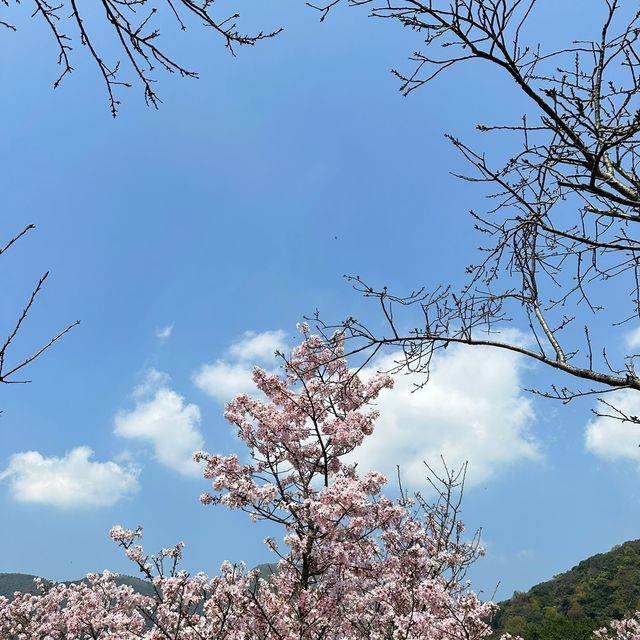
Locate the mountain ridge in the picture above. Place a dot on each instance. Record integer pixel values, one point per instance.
(10, 583)
(571, 605)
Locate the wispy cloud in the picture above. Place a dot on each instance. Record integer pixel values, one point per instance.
(162, 419)
(74, 480)
(472, 409)
(226, 377)
(164, 333)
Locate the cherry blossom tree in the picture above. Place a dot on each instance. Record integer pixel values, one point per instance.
(97, 608)
(626, 629)
(352, 563)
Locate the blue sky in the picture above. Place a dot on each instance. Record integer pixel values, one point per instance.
(191, 240)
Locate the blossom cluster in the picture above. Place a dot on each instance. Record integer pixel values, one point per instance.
(626, 629)
(97, 608)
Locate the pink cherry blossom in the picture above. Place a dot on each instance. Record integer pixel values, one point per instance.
(352, 563)
(626, 629)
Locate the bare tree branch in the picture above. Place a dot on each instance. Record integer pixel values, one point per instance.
(561, 229)
(138, 42)
(7, 372)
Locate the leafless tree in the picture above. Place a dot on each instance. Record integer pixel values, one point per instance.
(135, 34)
(560, 233)
(11, 368)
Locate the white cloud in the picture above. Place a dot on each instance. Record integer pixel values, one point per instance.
(162, 419)
(223, 381)
(472, 409)
(71, 481)
(252, 347)
(226, 378)
(164, 333)
(613, 439)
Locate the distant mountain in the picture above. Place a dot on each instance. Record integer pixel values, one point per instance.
(12, 582)
(266, 570)
(573, 604)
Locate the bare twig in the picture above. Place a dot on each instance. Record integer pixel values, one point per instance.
(140, 46)
(8, 371)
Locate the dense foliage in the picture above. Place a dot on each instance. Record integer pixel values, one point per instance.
(573, 604)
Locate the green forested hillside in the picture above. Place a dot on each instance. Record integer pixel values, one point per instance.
(570, 606)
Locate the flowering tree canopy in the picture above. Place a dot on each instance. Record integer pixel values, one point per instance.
(627, 629)
(352, 562)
